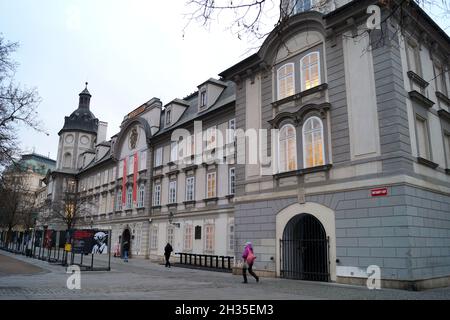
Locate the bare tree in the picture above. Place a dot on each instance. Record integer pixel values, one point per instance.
(17, 105)
(69, 208)
(256, 18)
(16, 201)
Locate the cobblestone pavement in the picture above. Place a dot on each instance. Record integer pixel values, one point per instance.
(141, 279)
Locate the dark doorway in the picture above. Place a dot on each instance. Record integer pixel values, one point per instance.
(304, 250)
(126, 237)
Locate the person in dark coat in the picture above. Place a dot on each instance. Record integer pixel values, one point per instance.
(126, 248)
(167, 251)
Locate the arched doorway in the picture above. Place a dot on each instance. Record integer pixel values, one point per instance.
(304, 249)
(126, 236)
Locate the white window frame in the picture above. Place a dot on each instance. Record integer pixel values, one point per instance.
(154, 242)
(173, 151)
(129, 202)
(281, 141)
(190, 188)
(231, 131)
(171, 235)
(304, 141)
(232, 180)
(209, 237)
(302, 73)
(130, 165)
(188, 237)
(168, 116)
(157, 195)
(208, 194)
(141, 196)
(172, 198)
(119, 200)
(285, 94)
(427, 145)
(142, 160)
(159, 157)
(203, 99)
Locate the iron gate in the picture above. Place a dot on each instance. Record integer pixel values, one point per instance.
(304, 250)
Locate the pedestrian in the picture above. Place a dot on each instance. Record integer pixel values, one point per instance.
(249, 259)
(126, 247)
(167, 251)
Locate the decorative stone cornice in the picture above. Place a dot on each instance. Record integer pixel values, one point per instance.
(417, 79)
(299, 116)
(300, 95)
(421, 99)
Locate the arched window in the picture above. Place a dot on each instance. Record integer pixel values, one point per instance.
(286, 81)
(67, 160)
(129, 197)
(287, 149)
(140, 203)
(313, 143)
(310, 71)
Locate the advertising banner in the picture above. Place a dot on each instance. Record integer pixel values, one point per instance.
(49, 239)
(90, 241)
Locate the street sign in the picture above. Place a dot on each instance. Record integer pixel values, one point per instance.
(379, 192)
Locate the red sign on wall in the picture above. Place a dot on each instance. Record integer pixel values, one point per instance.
(379, 192)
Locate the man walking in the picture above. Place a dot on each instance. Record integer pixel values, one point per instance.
(167, 251)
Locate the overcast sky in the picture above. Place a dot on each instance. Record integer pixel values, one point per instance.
(128, 51)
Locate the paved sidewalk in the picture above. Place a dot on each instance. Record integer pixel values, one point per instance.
(141, 279)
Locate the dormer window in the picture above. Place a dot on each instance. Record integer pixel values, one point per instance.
(299, 6)
(168, 116)
(203, 99)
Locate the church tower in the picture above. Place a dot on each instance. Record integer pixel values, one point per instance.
(78, 135)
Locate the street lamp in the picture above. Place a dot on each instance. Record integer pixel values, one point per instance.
(176, 224)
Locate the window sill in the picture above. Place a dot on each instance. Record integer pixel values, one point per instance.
(189, 168)
(172, 173)
(443, 97)
(156, 207)
(299, 172)
(420, 98)
(297, 96)
(229, 196)
(427, 162)
(444, 114)
(172, 205)
(171, 163)
(158, 167)
(212, 200)
(158, 176)
(128, 210)
(190, 202)
(417, 79)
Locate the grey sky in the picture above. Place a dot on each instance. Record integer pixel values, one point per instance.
(128, 51)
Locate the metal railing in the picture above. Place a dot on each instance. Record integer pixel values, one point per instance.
(206, 260)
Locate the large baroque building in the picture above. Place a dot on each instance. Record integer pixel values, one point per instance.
(353, 154)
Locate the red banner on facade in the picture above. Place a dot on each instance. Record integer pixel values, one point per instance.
(135, 172)
(379, 192)
(124, 181)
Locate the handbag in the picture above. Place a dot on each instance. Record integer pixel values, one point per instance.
(250, 258)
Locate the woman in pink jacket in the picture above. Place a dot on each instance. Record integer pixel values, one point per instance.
(249, 258)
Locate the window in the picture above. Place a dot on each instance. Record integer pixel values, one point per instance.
(168, 116)
(188, 237)
(422, 138)
(413, 58)
(313, 144)
(130, 165)
(143, 160)
(447, 148)
(67, 162)
(441, 84)
(232, 181)
(211, 183)
(203, 99)
(154, 242)
(129, 197)
(174, 151)
(170, 235)
(209, 237)
(190, 183)
(119, 200)
(191, 145)
(158, 157)
(121, 168)
(288, 149)
(231, 131)
(113, 175)
(310, 71)
(172, 191)
(105, 177)
(211, 138)
(140, 202)
(300, 6)
(231, 237)
(157, 195)
(286, 81)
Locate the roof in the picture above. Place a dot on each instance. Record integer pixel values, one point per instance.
(191, 113)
